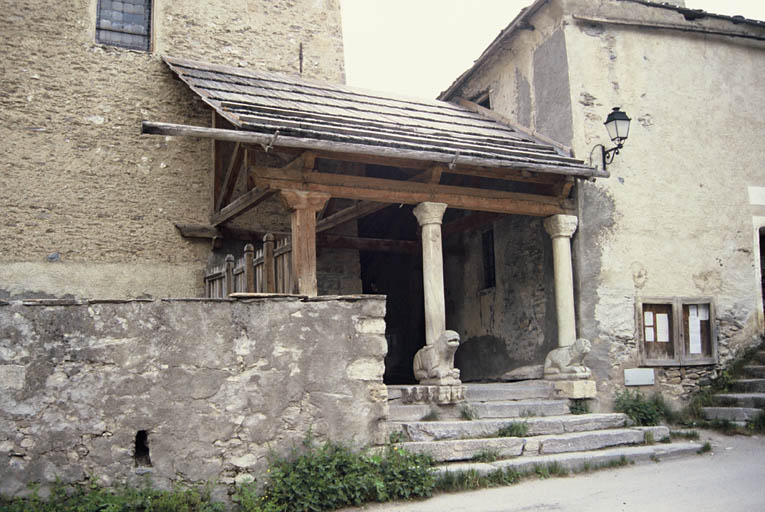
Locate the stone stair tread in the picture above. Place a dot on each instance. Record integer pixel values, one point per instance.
(519, 408)
(575, 461)
(509, 391)
(453, 429)
(465, 449)
(735, 414)
(740, 399)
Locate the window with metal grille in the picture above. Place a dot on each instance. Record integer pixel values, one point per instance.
(125, 23)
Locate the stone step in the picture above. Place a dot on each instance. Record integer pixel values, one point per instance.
(735, 414)
(759, 357)
(507, 391)
(579, 461)
(440, 430)
(504, 447)
(518, 408)
(755, 371)
(750, 400)
(748, 386)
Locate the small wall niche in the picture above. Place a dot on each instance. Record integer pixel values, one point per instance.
(141, 451)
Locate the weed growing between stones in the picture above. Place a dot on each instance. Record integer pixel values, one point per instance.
(486, 456)
(396, 437)
(91, 497)
(757, 424)
(455, 481)
(332, 476)
(648, 439)
(467, 413)
(684, 434)
(643, 411)
(706, 447)
(551, 469)
(515, 429)
(579, 406)
(431, 416)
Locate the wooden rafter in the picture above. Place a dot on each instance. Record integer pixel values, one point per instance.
(408, 192)
(230, 177)
(240, 205)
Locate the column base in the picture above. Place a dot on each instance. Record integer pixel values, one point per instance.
(575, 389)
(434, 394)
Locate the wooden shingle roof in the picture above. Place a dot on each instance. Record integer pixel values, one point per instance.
(304, 112)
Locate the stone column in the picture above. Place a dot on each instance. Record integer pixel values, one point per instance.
(561, 228)
(429, 216)
(304, 206)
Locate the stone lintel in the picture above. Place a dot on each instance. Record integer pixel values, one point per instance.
(575, 389)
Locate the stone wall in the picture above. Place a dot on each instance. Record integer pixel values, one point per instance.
(511, 324)
(89, 205)
(214, 384)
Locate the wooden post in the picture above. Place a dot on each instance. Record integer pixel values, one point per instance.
(249, 268)
(269, 265)
(304, 206)
(229, 276)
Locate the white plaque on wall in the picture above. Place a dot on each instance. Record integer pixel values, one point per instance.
(639, 377)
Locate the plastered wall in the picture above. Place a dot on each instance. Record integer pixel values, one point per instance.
(88, 204)
(214, 384)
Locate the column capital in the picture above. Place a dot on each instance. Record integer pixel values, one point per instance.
(304, 199)
(429, 213)
(561, 225)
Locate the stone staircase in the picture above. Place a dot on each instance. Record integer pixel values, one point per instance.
(550, 433)
(746, 397)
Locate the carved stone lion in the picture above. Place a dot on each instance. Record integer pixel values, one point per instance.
(434, 364)
(566, 362)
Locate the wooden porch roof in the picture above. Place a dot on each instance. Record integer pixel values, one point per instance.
(289, 111)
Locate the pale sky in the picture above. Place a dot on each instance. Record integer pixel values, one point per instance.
(419, 47)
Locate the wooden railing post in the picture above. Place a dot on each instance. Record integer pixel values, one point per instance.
(249, 268)
(269, 268)
(229, 276)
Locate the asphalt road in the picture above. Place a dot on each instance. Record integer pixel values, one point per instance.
(730, 478)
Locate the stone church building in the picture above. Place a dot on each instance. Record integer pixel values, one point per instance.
(146, 141)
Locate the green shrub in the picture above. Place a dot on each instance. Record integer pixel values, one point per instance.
(706, 447)
(332, 476)
(92, 497)
(757, 424)
(515, 429)
(641, 410)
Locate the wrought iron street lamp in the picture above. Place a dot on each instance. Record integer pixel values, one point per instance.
(618, 126)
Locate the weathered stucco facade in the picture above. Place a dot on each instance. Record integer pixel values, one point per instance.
(679, 217)
(212, 385)
(89, 205)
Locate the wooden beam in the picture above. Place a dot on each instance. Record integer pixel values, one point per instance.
(230, 177)
(408, 192)
(563, 188)
(223, 232)
(153, 128)
(469, 222)
(240, 205)
(367, 244)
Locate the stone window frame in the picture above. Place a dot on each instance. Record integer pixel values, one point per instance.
(148, 36)
(677, 332)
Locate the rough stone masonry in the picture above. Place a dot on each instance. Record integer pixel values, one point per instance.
(189, 390)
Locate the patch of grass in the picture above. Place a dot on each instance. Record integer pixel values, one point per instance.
(332, 476)
(757, 424)
(431, 416)
(486, 456)
(684, 434)
(551, 469)
(467, 413)
(706, 447)
(579, 406)
(643, 411)
(92, 497)
(514, 429)
(665, 440)
(455, 481)
(396, 437)
(648, 438)
(655, 458)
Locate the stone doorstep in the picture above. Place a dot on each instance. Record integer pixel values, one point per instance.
(748, 386)
(503, 392)
(735, 414)
(519, 408)
(752, 400)
(463, 429)
(576, 461)
(756, 371)
(465, 449)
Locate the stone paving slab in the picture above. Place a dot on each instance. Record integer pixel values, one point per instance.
(586, 441)
(736, 414)
(461, 429)
(753, 400)
(509, 391)
(580, 460)
(519, 408)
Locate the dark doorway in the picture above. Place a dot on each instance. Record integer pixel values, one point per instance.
(762, 265)
(399, 276)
